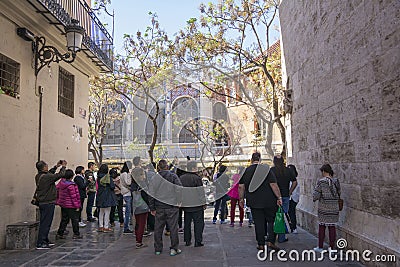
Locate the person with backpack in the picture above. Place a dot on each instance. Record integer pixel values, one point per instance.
(140, 201)
(105, 198)
(69, 199)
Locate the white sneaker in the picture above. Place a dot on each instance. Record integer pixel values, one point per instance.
(82, 224)
(318, 249)
(295, 231)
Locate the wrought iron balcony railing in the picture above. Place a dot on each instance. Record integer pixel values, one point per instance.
(97, 39)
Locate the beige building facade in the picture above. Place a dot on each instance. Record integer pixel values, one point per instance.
(342, 60)
(64, 89)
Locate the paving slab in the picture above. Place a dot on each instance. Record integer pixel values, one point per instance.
(224, 246)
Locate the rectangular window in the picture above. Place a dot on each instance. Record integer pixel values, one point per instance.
(9, 76)
(66, 82)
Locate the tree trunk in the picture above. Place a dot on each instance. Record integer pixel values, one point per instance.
(153, 140)
(282, 130)
(268, 143)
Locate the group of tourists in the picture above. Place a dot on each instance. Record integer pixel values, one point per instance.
(158, 196)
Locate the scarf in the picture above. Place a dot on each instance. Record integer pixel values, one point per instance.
(105, 180)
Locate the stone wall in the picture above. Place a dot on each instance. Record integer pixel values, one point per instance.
(343, 59)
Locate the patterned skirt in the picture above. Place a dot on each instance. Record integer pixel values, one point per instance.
(328, 212)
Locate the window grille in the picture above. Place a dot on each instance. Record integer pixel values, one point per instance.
(66, 82)
(9, 76)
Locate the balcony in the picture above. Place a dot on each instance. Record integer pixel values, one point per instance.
(97, 42)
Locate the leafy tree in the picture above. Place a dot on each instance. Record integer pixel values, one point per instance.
(144, 71)
(102, 113)
(229, 43)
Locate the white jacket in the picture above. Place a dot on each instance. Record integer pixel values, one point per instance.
(126, 180)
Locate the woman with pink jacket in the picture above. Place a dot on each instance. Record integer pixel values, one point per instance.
(234, 195)
(68, 199)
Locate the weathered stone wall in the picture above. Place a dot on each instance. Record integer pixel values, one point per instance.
(343, 63)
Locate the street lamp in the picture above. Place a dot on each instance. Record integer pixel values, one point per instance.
(45, 54)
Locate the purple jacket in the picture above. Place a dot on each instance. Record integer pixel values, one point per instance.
(68, 195)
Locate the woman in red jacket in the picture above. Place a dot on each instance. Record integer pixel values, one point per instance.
(68, 199)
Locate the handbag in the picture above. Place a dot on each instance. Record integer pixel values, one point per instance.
(279, 223)
(139, 205)
(340, 200)
(35, 200)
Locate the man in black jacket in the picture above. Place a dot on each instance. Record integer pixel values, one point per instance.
(193, 202)
(164, 201)
(46, 194)
(81, 183)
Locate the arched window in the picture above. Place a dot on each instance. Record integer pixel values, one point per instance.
(184, 110)
(220, 113)
(114, 131)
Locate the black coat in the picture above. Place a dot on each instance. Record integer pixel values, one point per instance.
(81, 182)
(105, 196)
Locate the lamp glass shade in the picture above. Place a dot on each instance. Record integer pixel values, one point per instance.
(74, 41)
(74, 33)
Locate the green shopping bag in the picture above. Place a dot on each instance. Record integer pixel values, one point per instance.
(279, 224)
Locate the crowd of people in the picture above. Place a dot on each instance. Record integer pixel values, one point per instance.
(156, 197)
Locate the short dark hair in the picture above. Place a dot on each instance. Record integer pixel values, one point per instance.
(327, 168)
(90, 164)
(136, 161)
(222, 168)
(69, 174)
(163, 164)
(79, 169)
(113, 173)
(256, 156)
(125, 167)
(103, 168)
(279, 161)
(40, 165)
(191, 165)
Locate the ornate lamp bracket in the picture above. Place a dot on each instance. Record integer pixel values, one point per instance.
(46, 54)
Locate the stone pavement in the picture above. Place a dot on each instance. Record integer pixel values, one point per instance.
(224, 246)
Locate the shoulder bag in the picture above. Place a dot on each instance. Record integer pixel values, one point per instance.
(340, 200)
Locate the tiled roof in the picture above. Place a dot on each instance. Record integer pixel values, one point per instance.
(274, 48)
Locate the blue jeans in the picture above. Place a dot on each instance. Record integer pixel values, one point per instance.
(285, 207)
(128, 210)
(220, 204)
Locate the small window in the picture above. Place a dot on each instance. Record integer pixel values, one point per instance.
(9, 76)
(66, 90)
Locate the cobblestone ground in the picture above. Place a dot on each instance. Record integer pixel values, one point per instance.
(224, 246)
